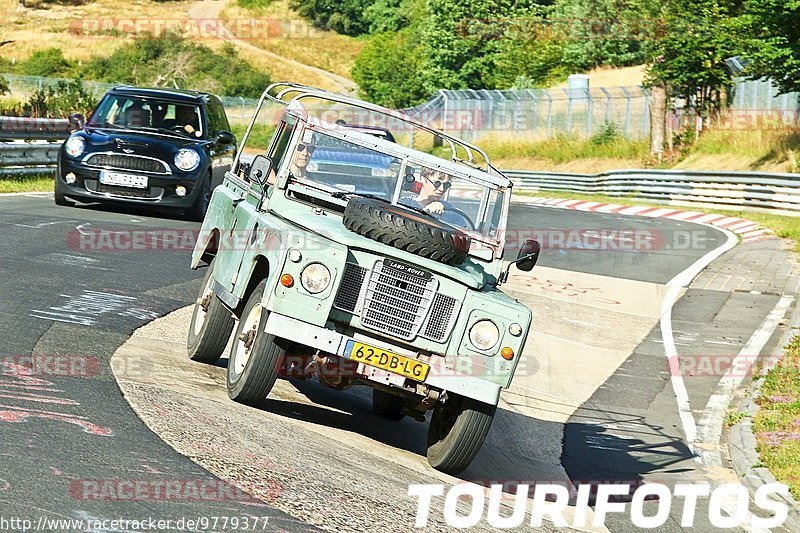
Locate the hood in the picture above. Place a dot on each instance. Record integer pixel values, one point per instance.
(471, 273)
(146, 143)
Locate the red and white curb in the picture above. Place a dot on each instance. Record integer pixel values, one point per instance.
(748, 230)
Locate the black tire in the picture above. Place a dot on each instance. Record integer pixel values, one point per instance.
(253, 380)
(387, 405)
(456, 433)
(59, 197)
(407, 230)
(198, 210)
(207, 342)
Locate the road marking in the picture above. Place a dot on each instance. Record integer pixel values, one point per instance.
(674, 287)
(709, 429)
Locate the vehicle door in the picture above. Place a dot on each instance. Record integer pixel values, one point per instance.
(223, 147)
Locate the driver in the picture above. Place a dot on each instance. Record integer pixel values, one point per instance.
(186, 118)
(302, 156)
(435, 184)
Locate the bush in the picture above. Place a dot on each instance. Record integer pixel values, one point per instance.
(47, 62)
(59, 101)
(169, 60)
(342, 16)
(253, 4)
(4, 89)
(387, 70)
(609, 133)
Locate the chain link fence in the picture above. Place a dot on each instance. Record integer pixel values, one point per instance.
(537, 113)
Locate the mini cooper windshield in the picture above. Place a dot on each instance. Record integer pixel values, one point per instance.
(456, 198)
(150, 114)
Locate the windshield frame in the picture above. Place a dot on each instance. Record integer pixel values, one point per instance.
(407, 156)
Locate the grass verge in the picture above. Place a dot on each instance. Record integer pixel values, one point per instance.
(777, 422)
(26, 184)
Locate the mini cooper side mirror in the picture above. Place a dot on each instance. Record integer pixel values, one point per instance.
(76, 121)
(259, 170)
(226, 137)
(526, 259)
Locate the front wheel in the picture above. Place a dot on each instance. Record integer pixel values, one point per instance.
(211, 325)
(256, 356)
(198, 210)
(456, 433)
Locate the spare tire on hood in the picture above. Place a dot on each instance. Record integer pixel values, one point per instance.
(407, 230)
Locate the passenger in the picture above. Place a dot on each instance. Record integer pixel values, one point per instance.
(136, 115)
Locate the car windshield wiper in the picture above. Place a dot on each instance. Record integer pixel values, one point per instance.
(164, 130)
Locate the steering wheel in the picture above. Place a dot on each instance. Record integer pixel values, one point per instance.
(462, 215)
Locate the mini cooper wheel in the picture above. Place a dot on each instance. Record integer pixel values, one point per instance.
(198, 210)
(211, 325)
(456, 433)
(255, 357)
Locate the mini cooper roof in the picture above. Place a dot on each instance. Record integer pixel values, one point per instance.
(175, 95)
(291, 94)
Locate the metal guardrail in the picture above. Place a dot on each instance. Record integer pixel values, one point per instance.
(732, 189)
(22, 158)
(29, 129)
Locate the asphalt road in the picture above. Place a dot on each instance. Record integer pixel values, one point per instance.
(65, 436)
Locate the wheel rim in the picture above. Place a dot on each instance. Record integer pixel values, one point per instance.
(245, 341)
(202, 307)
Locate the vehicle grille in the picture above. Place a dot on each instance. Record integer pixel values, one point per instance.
(350, 288)
(399, 311)
(396, 302)
(128, 163)
(443, 314)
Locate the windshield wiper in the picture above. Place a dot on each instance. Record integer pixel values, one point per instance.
(164, 130)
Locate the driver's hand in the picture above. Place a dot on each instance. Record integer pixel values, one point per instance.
(435, 208)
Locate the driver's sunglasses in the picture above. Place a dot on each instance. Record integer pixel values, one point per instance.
(444, 185)
(301, 147)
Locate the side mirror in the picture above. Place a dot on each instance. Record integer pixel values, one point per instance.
(526, 259)
(528, 255)
(76, 121)
(259, 170)
(226, 137)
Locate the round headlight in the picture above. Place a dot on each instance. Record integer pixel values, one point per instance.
(75, 145)
(315, 278)
(187, 159)
(484, 335)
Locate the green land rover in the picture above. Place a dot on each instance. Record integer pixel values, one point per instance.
(341, 254)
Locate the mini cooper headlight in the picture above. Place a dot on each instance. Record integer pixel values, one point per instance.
(484, 335)
(187, 159)
(315, 278)
(75, 145)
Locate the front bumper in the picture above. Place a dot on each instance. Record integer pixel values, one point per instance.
(160, 191)
(333, 342)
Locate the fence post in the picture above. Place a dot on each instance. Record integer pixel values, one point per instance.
(589, 112)
(569, 111)
(608, 103)
(549, 114)
(627, 111)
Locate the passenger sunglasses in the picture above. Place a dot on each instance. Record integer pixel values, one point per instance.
(301, 147)
(444, 185)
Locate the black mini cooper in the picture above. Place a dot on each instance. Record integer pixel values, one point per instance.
(156, 147)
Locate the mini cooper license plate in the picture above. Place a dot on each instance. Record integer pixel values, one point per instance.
(391, 362)
(123, 180)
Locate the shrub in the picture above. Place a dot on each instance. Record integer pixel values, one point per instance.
(60, 100)
(609, 133)
(47, 62)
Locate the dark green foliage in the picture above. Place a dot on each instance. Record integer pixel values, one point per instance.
(47, 62)
(609, 133)
(253, 4)
(773, 27)
(4, 89)
(689, 58)
(169, 60)
(342, 16)
(387, 70)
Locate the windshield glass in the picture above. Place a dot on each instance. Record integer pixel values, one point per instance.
(354, 169)
(134, 112)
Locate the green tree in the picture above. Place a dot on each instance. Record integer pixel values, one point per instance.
(773, 43)
(342, 16)
(688, 55)
(60, 100)
(387, 70)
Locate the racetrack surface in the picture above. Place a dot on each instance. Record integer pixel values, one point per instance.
(596, 375)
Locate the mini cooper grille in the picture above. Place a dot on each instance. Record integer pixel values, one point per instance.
(396, 302)
(350, 288)
(443, 313)
(128, 163)
(394, 310)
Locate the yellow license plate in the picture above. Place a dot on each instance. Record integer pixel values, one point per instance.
(391, 362)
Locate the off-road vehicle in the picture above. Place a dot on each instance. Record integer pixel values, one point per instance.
(395, 288)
